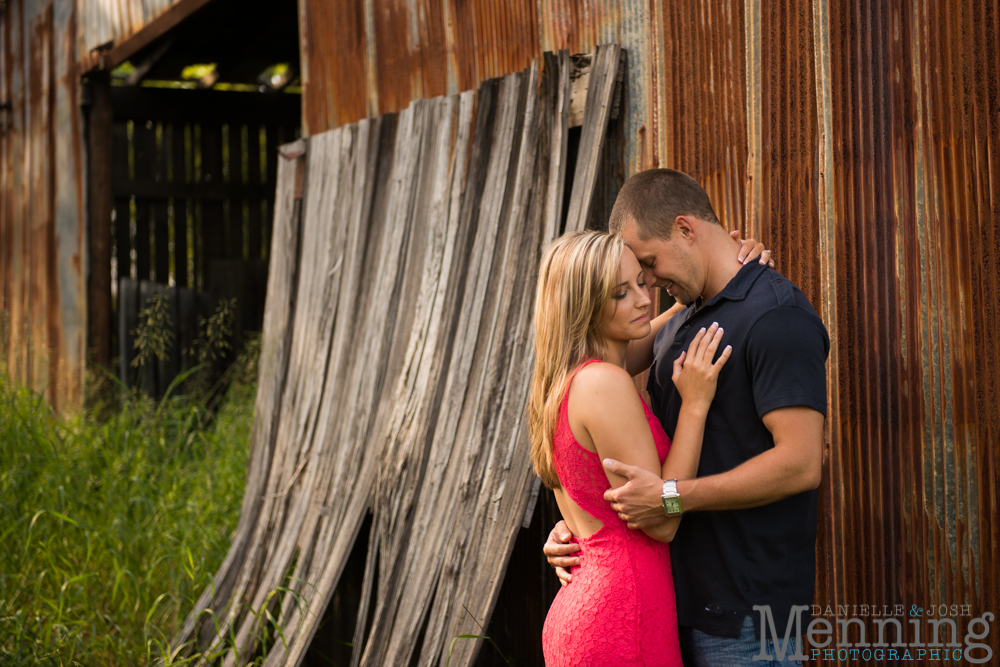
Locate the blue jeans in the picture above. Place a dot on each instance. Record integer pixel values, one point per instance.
(703, 650)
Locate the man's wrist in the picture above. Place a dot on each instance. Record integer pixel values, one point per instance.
(686, 488)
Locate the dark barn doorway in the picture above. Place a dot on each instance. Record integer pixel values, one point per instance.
(183, 142)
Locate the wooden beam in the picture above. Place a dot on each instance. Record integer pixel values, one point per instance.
(99, 280)
(142, 69)
(204, 106)
(149, 33)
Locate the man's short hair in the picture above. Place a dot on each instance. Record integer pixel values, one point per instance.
(654, 198)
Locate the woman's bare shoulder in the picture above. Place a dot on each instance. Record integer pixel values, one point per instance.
(602, 384)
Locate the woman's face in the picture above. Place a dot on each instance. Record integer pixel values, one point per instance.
(627, 312)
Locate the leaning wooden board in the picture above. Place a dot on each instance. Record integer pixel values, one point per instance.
(397, 355)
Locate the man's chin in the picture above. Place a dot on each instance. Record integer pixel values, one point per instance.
(682, 298)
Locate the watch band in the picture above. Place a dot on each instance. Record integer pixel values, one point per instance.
(671, 498)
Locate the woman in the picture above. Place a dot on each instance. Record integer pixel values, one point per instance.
(591, 303)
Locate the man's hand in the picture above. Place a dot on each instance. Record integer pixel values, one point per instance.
(638, 501)
(558, 550)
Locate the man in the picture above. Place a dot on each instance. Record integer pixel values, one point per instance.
(749, 528)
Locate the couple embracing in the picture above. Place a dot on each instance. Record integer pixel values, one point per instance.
(682, 516)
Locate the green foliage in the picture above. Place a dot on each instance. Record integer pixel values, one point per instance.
(154, 336)
(113, 524)
(214, 333)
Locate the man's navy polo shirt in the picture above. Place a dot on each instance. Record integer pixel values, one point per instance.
(725, 562)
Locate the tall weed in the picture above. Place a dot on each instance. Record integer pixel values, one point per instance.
(113, 525)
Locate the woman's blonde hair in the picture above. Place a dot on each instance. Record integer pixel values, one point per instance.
(576, 279)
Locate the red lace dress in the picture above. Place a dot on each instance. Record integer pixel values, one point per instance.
(619, 608)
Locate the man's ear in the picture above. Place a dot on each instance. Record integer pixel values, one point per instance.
(684, 225)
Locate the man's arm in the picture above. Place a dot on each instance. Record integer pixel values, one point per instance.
(794, 465)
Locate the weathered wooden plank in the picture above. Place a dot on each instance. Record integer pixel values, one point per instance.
(331, 160)
(213, 238)
(147, 379)
(178, 164)
(510, 266)
(159, 209)
(506, 475)
(349, 357)
(557, 68)
(128, 315)
(234, 169)
(600, 94)
(101, 205)
(253, 174)
(276, 342)
(410, 406)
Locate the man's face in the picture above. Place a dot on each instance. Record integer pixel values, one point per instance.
(668, 263)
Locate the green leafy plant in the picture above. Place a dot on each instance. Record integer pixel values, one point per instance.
(154, 336)
(214, 333)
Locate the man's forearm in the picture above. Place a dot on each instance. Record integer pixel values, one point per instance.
(764, 479)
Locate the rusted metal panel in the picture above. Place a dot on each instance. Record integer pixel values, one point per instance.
(44, 304)
(699, 117)
(910, 498)
(859, 139)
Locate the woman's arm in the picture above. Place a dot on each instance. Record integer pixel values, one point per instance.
(639, 355)
(696, 377)
(612, 414)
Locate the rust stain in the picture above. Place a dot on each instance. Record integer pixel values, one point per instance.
(42, 224)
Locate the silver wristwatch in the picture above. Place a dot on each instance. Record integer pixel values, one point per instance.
(671, 498)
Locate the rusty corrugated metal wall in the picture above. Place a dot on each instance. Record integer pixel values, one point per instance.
(860, 139)
(910, 104)
(42, 260)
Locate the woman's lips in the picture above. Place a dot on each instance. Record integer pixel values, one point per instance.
(642, 318)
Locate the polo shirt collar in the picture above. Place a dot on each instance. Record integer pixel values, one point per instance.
(739, 287)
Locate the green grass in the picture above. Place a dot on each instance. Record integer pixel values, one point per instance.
(112, 526)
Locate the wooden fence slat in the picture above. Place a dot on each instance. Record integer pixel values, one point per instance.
(235, 169)
(600, 98)
(128, 314)
(409, 405)
(213, 235)
(178, 164)
(276, 342)
(322, 245)
(253, 173)
(557, 66)
(141, 240)
(160, 210)
(144, 153)
(147, 380)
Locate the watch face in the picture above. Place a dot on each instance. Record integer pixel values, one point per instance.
(672, 506)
